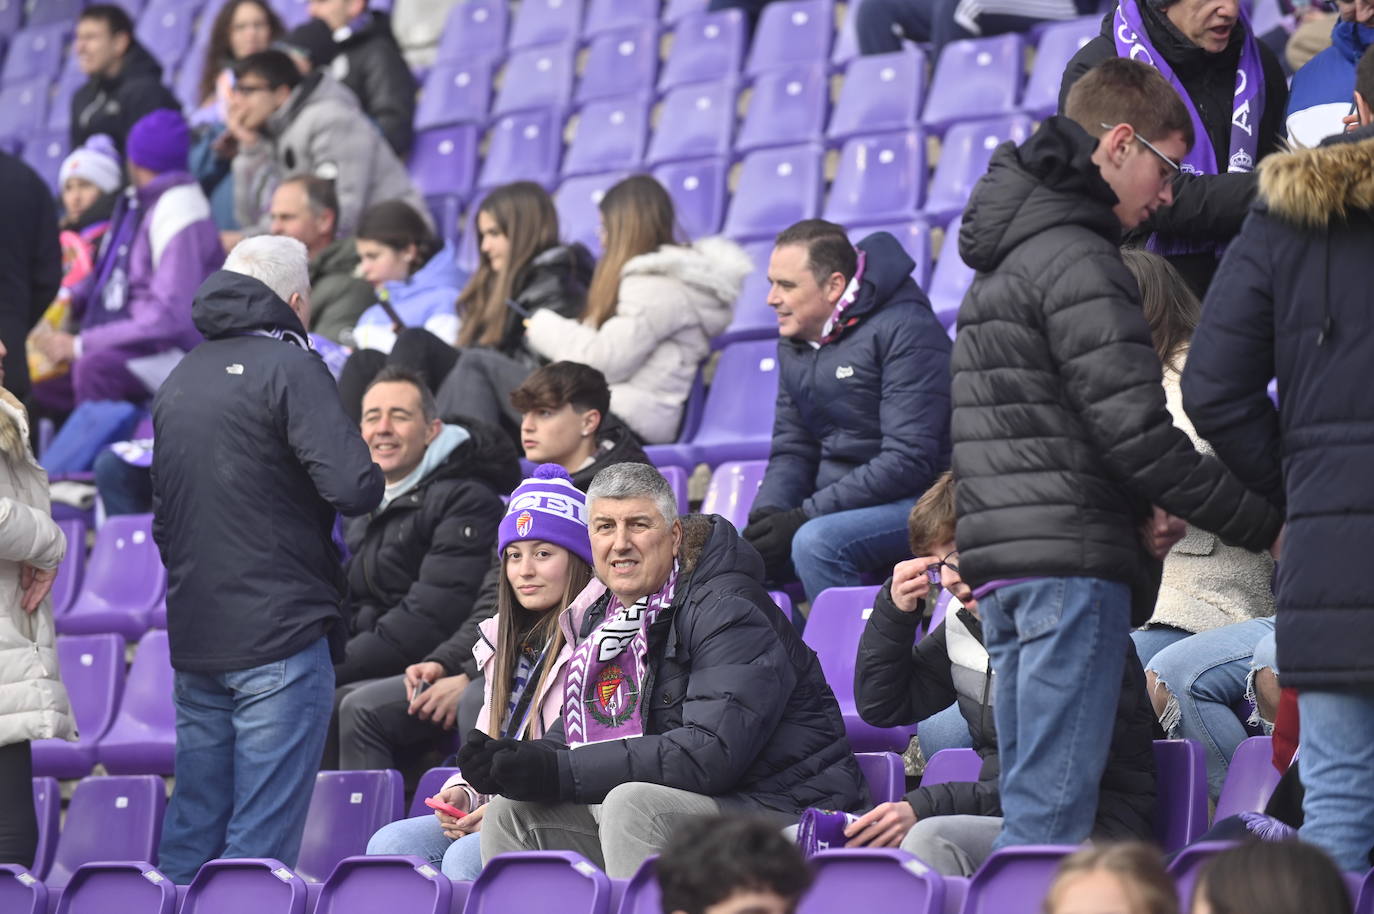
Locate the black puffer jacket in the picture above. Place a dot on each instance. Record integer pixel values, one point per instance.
(896, 685)
(114, 105)
(418, 563)
(556, 279)
(30, 263)
(370, 63)
(1062, 439)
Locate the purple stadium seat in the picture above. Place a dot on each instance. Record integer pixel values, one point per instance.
(363, 885)
(885, 774)
(735, 427)
(950, 766)
(624, 58)
(783, 602)
(787, 106)
(475, 30)
(524, 146)
(47, 806)
(1363, 893)
(676, 10)
(881, 92)
(431, 782)
(694, 121)
(950, 278)
(776, 188)
(880, 179)
(977, 78)
(706, 47)
(546, 22)
(1058, 43)
(577, 201)
(964, 156)
(914, 237)
(48, 12)
(1014, 880)
(124, 581)
(677, 478)
(35, 52)
(1250, 779)
(846, 43)
(732, 490)
(92, 668)
(45, 153)
(1190, 860)
(21, 892)
(261, 886)
(753, 319)
(142, 739)
(1181, 786)
(186, 84)
(23, 110)
(540, 881)
(832, 630)
(455, 93)
(69, 574)
(641, 892)
(444, 159)
(610, 136)
(888, 879)
(792, 31)
(60, 105)
(606, 15)
(292, 12)
(110, 818)
(11, 15)
(164, 28)
(537, 78)
(698, 191)
(118, 888)
(346, 808)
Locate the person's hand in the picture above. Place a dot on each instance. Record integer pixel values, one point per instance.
(1351, 121)
(910, 583)
(527, 770)
(1161, 530)
(884, 825)
(760, 513)
(235, 125)
(454, 796)
(1276, 547)
(57, 346)
(439, 702)
(475, 760)
(772, 536)
(468, 824)
(37, 584)
(428, 671)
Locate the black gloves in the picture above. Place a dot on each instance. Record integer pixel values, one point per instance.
(771, 534)
(519, 770)
(475, 760)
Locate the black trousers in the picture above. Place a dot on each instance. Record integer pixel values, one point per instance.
(18, 823)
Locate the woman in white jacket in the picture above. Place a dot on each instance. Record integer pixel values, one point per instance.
(33, 702)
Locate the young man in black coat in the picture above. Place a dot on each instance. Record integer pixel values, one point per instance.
(125, 81)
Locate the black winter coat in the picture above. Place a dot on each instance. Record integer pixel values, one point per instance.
(556, 279)
(370, 63)
(417, 565)
(1206, 208)
(897, 685)
(30, 263)
(863, 420)
(1062, 440)
(114, 105)
(254, 456)
(1293, 300)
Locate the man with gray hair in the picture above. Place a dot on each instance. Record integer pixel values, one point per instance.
(254, 456)
(688, 694)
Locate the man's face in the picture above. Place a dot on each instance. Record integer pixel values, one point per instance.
(632, 546)
(1361, 11)
(1206, 23)
(98, 51)
(292, 216)
(395, 429)
(335, 13)
(253, 101)
(802, 305)
(1142, 180)
(557, 435)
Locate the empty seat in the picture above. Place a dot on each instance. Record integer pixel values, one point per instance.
(142, 739)
(915, 240)
(1250, 779)
(964, 156)
(20, 891)
(952, 766)
(11, 15)
(124, 581)
(546, 22)
(444, 159)
(363, 885)
(537, 78)
(792, 31)
(110, 818)
(45, 153)
(677, 10)
(787, 106)
(164, 29)
(346, 808)
(1181, 792)
(776, 188)
(1058, 43)
(1014, 880)
(92, 668)
(455, 93)
(885, 774)
(846, 41)
(118, 887)
(732, 489)
(23, 110)
(642, 895)
(540, 881)
(880, 178)
(694, 121)
(950, 278)
(610, 135)
(524, 146)
(261, 886)
(60, 104)
(976, 78)
(888, 879)
(698, 191)
(68, 581)
(474, 30)
(735, 427)
(677, 480)
(35, 52)
(625, 58)
(578, 203)
(706, 47)
(881, 92)
(47, 808)
(753, 318)
(1189, 862)
(431, 782)
(292, 12)
(605, 15)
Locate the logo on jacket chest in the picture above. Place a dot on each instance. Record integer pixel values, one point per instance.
(844, 371)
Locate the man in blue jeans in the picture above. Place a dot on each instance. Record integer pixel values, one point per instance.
(253, 457)
(1063, 442)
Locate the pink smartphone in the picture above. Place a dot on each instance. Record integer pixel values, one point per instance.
(434, 803)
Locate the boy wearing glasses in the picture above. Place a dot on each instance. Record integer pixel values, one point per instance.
(1063, 443)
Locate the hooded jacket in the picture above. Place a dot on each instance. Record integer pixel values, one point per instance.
(864, 419)
(417, 563)
(112, 105)
(1062, 439)
(338, 297)
(1320, 96)
(427, 299)
(369, 62)
(1293, 300)
(671, 303)
(254, 456)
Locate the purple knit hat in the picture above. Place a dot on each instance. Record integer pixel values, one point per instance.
(159, 142)
(548, 507)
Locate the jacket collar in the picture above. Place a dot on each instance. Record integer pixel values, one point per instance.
(1314, 187)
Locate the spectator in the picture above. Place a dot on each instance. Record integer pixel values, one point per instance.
(545, 559)
(1261, 877)
(1299, 265)
(882, 25)
(862, 421)
(253, 578)
(369, 62)
(34, 703)
(734, 865)
(306, 208)
(124, 81)
(1055, 381)
(418, 25)
(952, 826)
(136, 302)
(1363, 114)
(30, 265)
(1319, 99)
(283, 124)
(652, 308)
(738, 712)
(1120, 878)
(1235, 93)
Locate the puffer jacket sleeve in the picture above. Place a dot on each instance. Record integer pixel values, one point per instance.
(337, 151)
(388, 96)
(323, 438)
(1205, 207)
(793, 460)
(957, 798)
(28, 534)
(455, 654)
(255, 175)
(896, 681)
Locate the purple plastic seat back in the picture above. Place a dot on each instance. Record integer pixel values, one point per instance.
(951, 766)
(1250, 779)
(118, 888)
(976, 78)
(1361, 891)
(881, 92)
(455, 93)
(735, 427)
(753, 319)
(540, 881)
(914, 237)
(577, 201)
(1189, 862)
(23, 110)
(846, 43)
(642, 895)
(833, 628)
(964, 156)
(610, 136)
(92, 668)
(885, 774)
(47, 807)
(676, 10)
(164, 29)
(787, 106)
(186, 84)
(694, 121)
(524, 146)
(259, 885)
(792, 31)
(444, 159)
(363, 885)
(950, 279)
(886, 878)
(124, 580)
(783, 602)
(624, 58)
(45, 153)
(677, 478)
(51, 11)
(21, 892)
(732, 489)
(475, 30)
(60, 106)
(546, 22)
(346, 809)
(142, 739)
(69, 574)
(776, 188)
(292, 12)
(1058, 43)
(35, 52)
(880, 179)
(431, 782)
(110, 818)
(698, 191)
(1014, 880)
(1181, 792)
(706, 47)
(605, 15)
(537, 78)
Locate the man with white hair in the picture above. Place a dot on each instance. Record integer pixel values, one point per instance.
(254, 456)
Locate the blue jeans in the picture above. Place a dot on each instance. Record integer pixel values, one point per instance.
(422, 836)
(835, 549)
(1336, 751)
(1150, 641)
(123, 487)
(945, 730)
(248, 747)
(1207, 676)
(1058, 649)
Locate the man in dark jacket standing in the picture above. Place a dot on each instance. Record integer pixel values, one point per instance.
(1236, 96)
(1293, 299)
(125, 80)
(689, 693)
(1062, 441)
(254, 456)
(30, 264)
(862, 422)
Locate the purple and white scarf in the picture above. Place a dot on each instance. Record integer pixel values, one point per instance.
(837, 322)
(606, 675)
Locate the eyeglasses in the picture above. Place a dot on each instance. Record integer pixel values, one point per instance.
(1173, 166)
(933, 571)
(243, 89)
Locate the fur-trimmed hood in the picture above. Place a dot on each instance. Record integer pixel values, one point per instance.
(1310, 187)
(715, 265)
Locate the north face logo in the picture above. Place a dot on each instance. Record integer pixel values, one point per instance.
(844, 371)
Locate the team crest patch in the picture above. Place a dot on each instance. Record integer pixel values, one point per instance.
(524, 523)
(614, 701)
